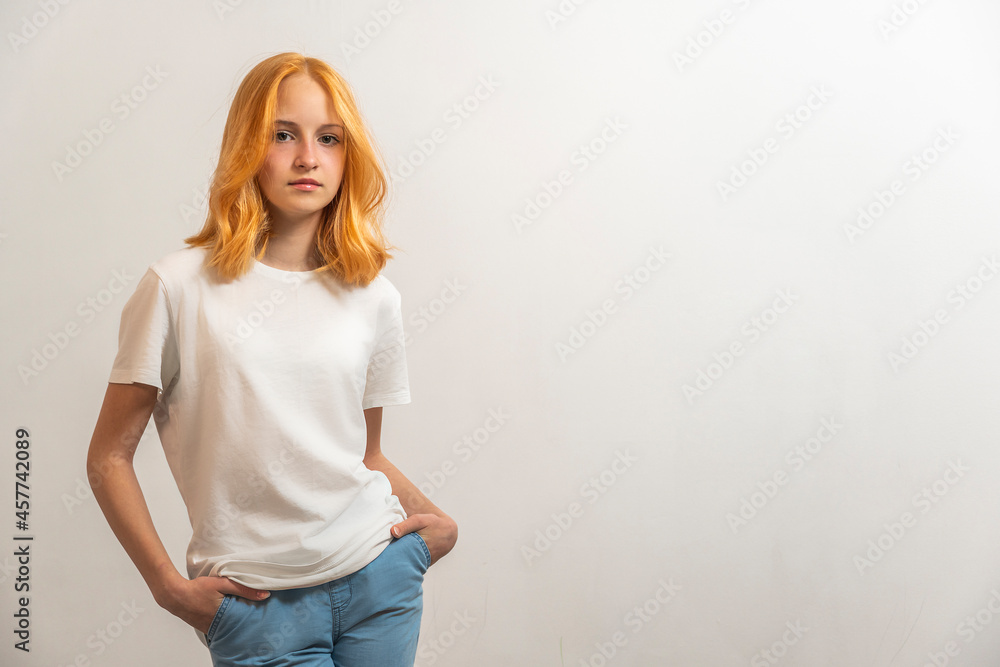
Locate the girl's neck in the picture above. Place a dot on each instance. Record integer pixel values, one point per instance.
(292, 247)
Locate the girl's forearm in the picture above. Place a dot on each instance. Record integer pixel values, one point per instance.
(410, 497)
(117, 491)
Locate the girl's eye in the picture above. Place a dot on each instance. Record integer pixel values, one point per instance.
(327, 139)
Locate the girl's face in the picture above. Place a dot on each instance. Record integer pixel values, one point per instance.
(305, 162)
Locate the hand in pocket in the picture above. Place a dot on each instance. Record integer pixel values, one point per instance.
(196, 601)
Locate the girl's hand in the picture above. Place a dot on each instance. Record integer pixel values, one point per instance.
(196, 601)
(439, 532)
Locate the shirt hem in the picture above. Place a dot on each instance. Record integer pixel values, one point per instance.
(262, 582)
(125, 376)
(401, 398)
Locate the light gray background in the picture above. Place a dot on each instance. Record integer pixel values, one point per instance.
(665, 520)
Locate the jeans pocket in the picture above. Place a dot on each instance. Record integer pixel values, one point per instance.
(425, 552)
(219, 613)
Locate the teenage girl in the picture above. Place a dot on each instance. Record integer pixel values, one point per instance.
(265, 351)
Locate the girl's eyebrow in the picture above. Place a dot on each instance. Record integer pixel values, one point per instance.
(296, 125)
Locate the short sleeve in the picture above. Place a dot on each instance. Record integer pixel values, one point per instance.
(147, 346)
(387, 381)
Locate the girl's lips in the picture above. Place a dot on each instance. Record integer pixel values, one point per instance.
(304, 186)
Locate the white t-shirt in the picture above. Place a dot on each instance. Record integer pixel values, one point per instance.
(263, 385)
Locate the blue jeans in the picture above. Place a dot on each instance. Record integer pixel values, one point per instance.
(370, 618)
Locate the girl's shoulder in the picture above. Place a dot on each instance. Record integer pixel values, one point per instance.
(384, 290)
(181, 266)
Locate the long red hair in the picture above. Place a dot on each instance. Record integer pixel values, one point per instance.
(237, 228)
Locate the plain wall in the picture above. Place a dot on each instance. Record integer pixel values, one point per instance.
(710, 286)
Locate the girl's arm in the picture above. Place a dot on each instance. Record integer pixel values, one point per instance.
(121, 423)
(438, 530)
